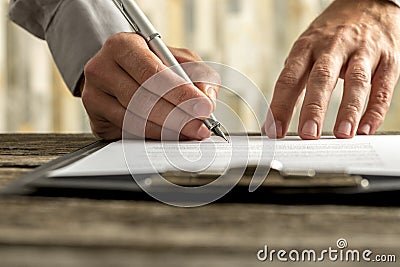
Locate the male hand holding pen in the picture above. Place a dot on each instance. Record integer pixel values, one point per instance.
(114, 75)
(133, 59)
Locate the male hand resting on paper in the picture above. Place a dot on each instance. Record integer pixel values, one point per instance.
(357, 40)
(114, 75)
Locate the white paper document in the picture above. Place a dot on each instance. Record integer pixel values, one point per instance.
(362, 155)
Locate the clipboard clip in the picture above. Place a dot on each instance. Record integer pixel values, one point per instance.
(313, 175)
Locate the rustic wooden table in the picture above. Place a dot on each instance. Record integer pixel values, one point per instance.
(82, 232)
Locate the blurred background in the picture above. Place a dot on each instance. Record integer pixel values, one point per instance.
(253, 36)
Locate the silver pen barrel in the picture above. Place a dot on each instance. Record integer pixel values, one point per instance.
(142, 25)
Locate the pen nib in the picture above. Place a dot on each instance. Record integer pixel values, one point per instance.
(217, 131)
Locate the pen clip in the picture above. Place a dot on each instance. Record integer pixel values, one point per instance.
(121, 8)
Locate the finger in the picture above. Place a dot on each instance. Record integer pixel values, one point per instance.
(205, 78)
(108, 125)
(321, 83)
(288, 88)
(164, 82)
(134, 127)
(383, 84)
(357, 84)
(155, 109)
(180, 94)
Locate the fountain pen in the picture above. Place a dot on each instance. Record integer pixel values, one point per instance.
(142, 26)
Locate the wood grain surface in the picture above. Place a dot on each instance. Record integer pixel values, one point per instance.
(82, 232)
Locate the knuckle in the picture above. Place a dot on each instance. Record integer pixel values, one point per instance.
(281, 107)
(114, 41)
(314, 108)
(303, 43)
(123, 45)
(91, 69)
(183, 95)
(386, 67)
(322, 75)
(376, 113)
(145, 73)
(359, 76)
(125, 95)
(288, 79)
(390, 58)
(337, 39)
(389, 69)
(339, 36)
(383, 98)
(96, 69)
(353, 108)
(323, 71)
(119, 39)
(324, 68)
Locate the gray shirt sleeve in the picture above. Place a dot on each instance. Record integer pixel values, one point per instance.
(397, 2)
(75, 30)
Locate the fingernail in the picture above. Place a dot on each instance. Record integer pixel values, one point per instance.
(275, 130)
(364, 130)
(310, 128)
(201, 109)
(345, 128)
(204, 132)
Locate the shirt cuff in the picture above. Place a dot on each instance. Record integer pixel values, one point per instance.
(397, 2)
(78, 31)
